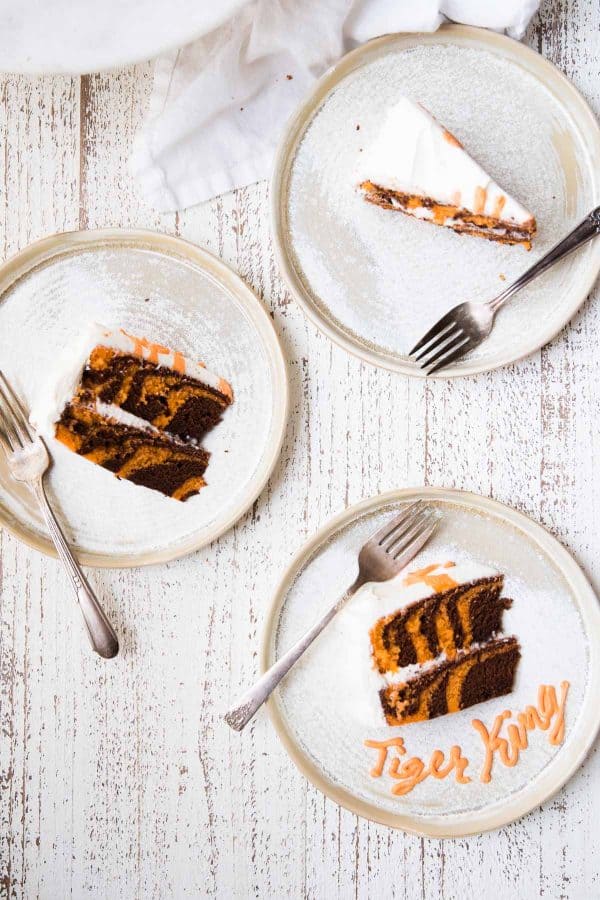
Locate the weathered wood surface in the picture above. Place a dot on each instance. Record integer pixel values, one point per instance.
(119, 780)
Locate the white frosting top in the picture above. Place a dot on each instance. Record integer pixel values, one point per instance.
(61, 384)
(414, 154)
(373, 602)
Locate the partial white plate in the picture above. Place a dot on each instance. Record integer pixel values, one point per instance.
(172, 292)
(373, 280)
(555, 615)
(78, 36)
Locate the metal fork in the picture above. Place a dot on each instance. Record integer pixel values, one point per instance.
(28, 460)
(468, 324)
(383, 556)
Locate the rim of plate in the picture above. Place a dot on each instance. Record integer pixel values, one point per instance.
(42, 252)
(564, 92)
(555, 775)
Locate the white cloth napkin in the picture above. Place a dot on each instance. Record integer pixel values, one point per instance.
(219, 105)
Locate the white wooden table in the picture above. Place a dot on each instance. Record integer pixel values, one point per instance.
(119, 779)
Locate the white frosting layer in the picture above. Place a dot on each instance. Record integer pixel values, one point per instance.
(373, 602)
(110, 411)
(61, 384)
(414, 154)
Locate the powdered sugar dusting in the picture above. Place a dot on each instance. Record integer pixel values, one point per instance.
(383, 277)
(325, 698)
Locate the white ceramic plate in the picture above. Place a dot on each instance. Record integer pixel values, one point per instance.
(375, 280)
(87, 36)
(555, 615)
(172, 292)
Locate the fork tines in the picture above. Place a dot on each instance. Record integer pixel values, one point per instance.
(13, 420)
(443, 344)
(408, 531)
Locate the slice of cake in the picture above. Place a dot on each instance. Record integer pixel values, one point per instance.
(417, 167)
(454, 617)
(472, 676)
(136, 408)
(141, 455)
(429, 642)
(155, 384)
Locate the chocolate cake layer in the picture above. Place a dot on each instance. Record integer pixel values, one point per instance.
(473, 676)
(171, 401)
(493, 228)
(143, 456)
(446, 622)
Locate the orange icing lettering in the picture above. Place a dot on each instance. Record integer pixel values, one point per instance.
(549, 711)
(491, 742)
(409, 773)
(383, 747)
(547, 715)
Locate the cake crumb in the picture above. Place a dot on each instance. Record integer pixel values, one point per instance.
(289, 77)
(358, 127)
(502, 277)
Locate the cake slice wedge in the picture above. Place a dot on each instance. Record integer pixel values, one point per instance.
(471, 677)
(144, 456)
(154, 383)
(135, 408)
(417, 167)
(456, 615)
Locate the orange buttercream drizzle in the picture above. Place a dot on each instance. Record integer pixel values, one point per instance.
(499, 206)
(448, 136)
(151, 351)
(383, 747)
(480, 198)
(424, 576)
(147, 349)
(548, 715)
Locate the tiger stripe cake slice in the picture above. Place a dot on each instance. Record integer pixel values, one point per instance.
(453, 618)
(417, 167)
(135, 408)
(471, 677)
(145, 457)
(435, 641)
(155, 384)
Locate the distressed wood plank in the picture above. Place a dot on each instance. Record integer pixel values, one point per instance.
(121, 780)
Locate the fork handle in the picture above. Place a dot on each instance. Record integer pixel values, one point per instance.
(238, 716)
(581, 234)
(102, 636)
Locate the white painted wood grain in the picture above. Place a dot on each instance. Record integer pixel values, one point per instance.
(119, 780)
